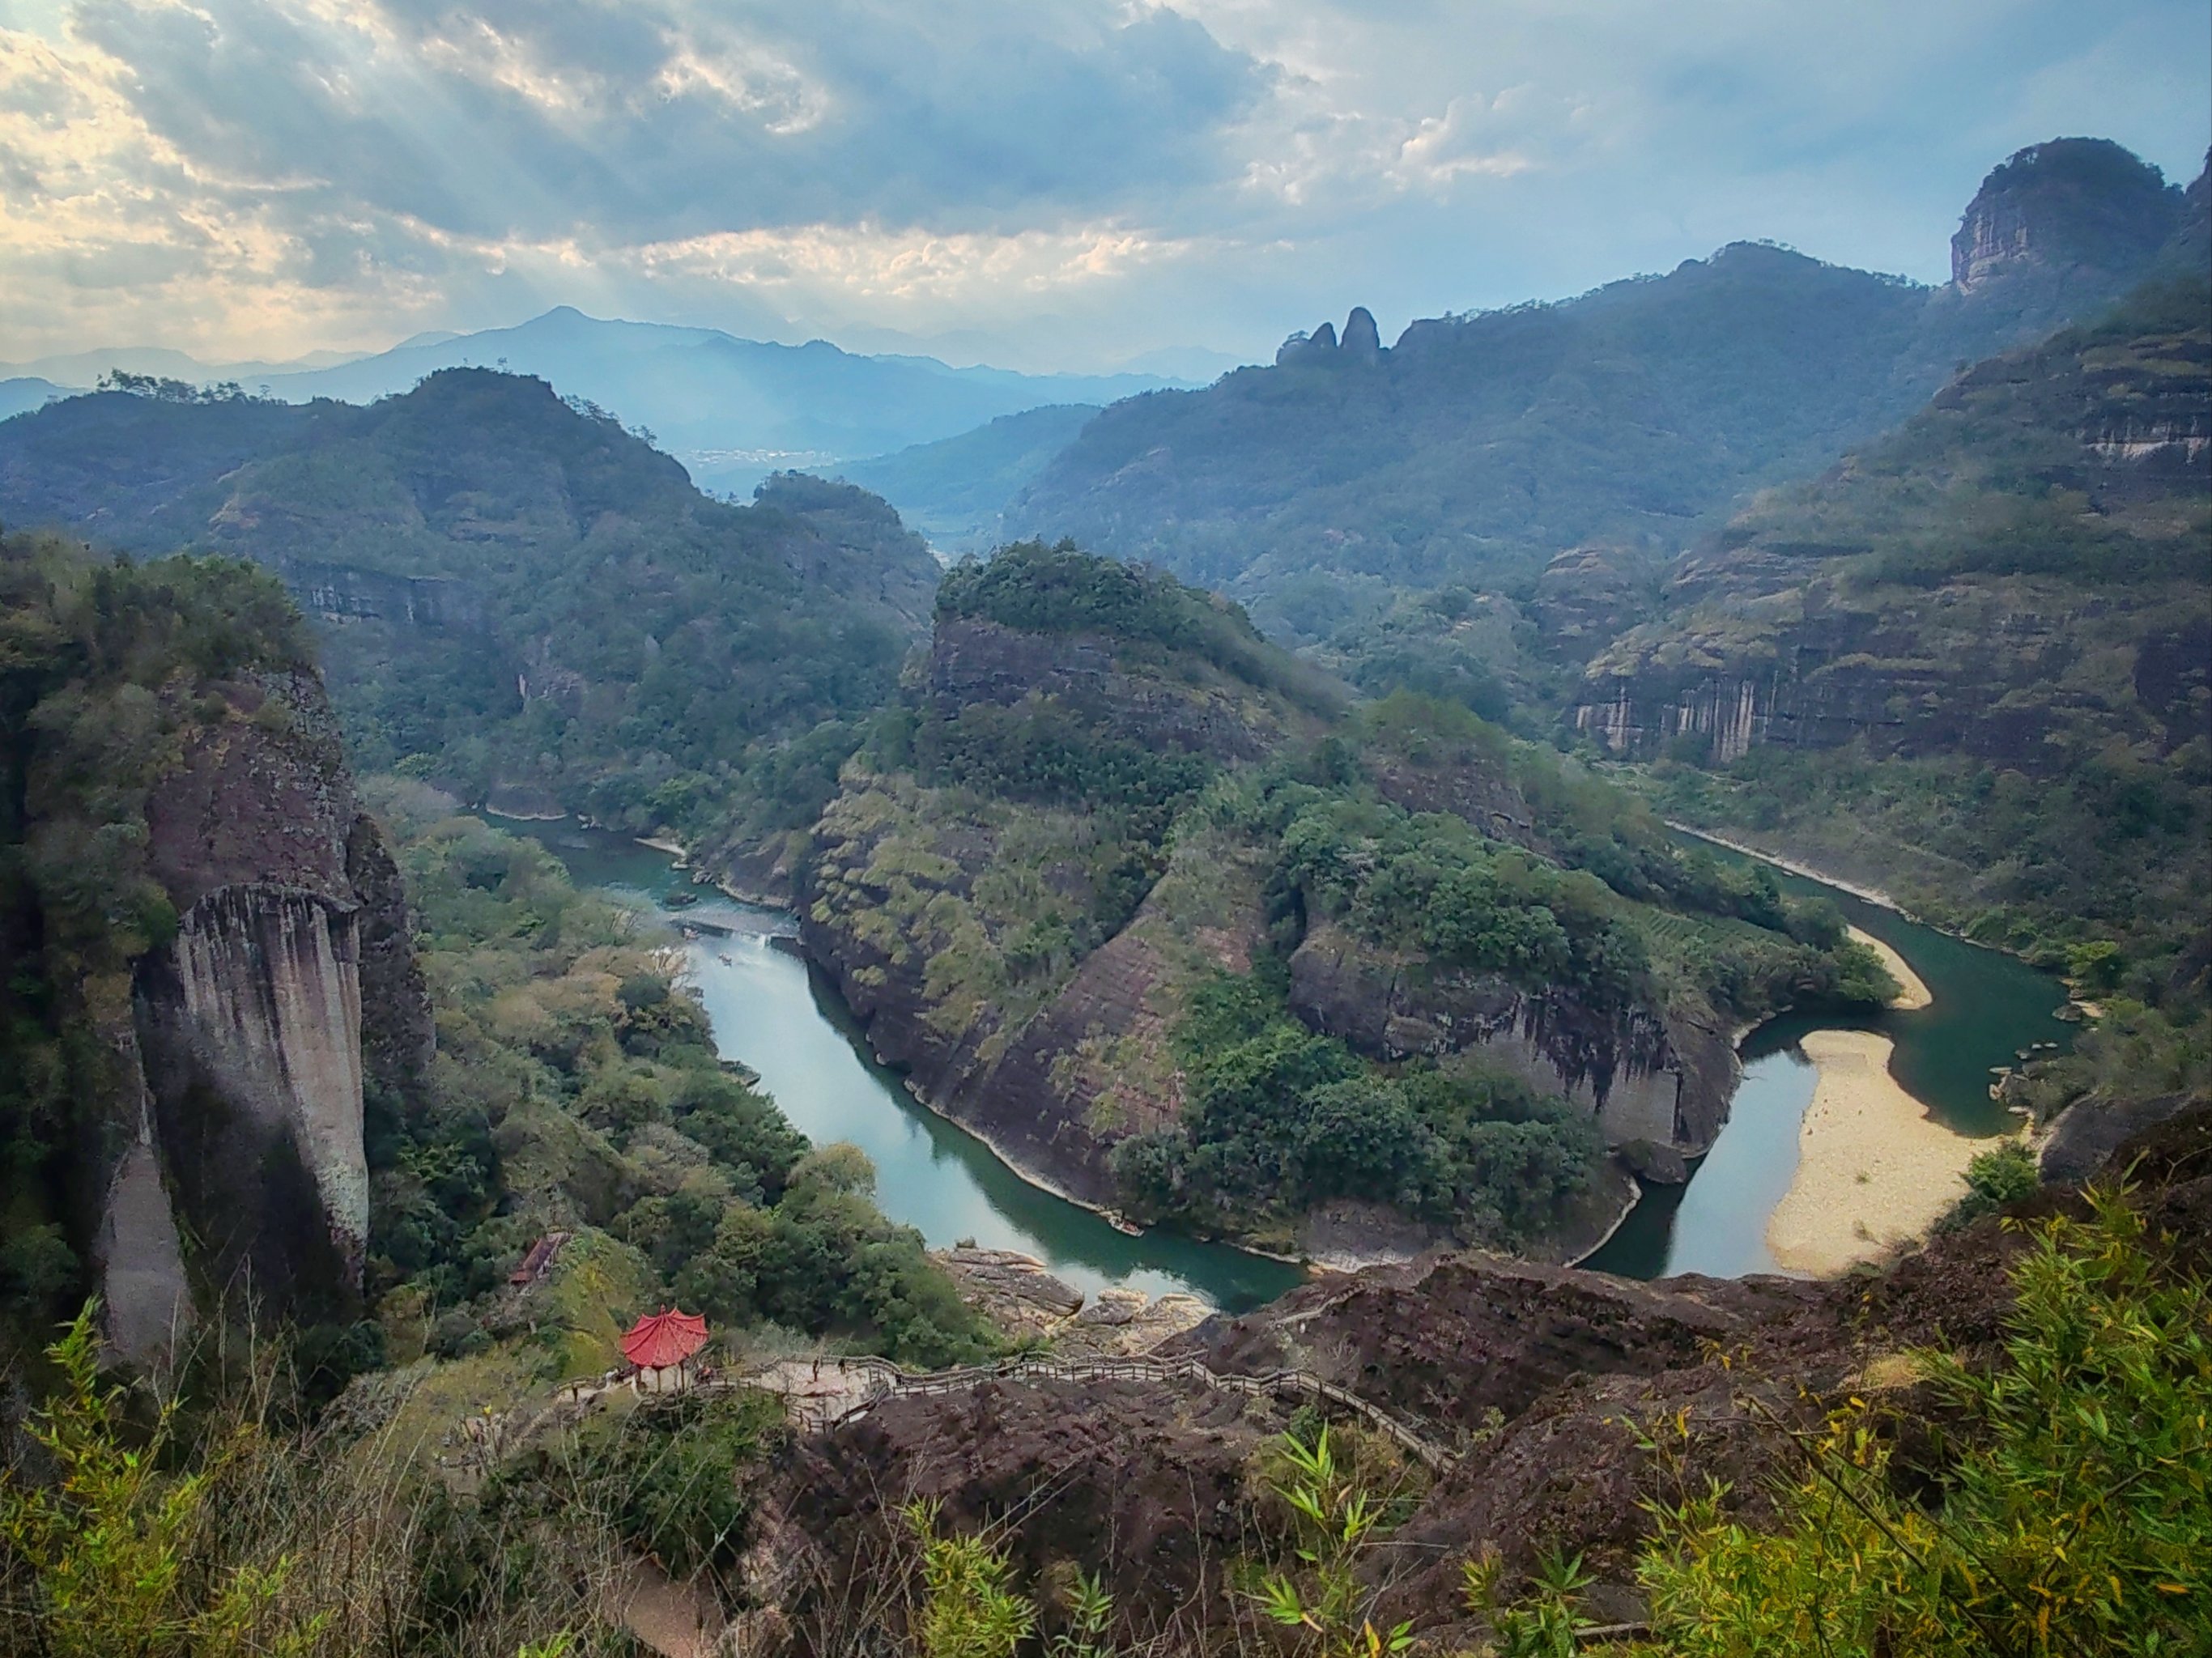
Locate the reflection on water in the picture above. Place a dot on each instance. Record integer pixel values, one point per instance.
(772, 1012)
(1986, 1007)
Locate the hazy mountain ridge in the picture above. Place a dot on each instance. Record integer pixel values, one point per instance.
(531, 603)
(1477, 448)
(734, 410)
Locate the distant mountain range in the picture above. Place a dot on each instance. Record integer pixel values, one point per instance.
(732, 409)
(26, 391)
(1478, 447)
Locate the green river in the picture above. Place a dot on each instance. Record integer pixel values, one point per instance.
(773, 1012)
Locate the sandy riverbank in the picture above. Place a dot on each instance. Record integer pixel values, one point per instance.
(1873, 1169)
(1872, 895)
(1913, 993)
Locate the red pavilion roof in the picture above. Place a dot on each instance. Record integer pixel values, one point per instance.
(664, 1339)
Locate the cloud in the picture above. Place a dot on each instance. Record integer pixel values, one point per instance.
(1083, 178)
(674, 118)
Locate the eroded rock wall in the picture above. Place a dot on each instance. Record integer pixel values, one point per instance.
(251, 1024)
(1642, 1076)
(243, 1046)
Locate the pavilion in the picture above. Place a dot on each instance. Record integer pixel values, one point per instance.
(660, 1347)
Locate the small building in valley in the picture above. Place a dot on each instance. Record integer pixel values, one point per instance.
(536, 1264)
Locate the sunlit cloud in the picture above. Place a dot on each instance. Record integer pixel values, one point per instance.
(1083, 179)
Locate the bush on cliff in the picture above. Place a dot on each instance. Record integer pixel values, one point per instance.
(2076, 1519)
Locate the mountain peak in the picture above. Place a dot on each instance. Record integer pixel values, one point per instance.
(2069, 203)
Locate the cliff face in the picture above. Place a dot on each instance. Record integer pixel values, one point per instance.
(1643, 1075)
(2014, 574)
(289, 986)
(2073, 204)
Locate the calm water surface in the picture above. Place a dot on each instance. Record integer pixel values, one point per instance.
(1987, 1006)
(773, 1012)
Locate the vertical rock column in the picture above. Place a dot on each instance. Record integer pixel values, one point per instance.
(272, 988)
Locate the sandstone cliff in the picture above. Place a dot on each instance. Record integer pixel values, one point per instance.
(289, 986)
(2083, 209)
(1643, 1074)
(2015, 575)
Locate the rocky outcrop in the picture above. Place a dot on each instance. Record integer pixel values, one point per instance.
(1575, 1403)
(1020, 1296)
(1641, 1075)
(2054, 208)
(1587, 596)
(289, 987)
(1361, 342)
(1485, 795)
(1449, 1340)
(345, 592)
(1142, 1481)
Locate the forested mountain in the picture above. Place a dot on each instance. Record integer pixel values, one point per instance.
(1134, 895)
(519, 598)
(1974, 661)
(732, 409)
(1477, 447)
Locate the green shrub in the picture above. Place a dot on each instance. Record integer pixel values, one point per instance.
(2076, 1519)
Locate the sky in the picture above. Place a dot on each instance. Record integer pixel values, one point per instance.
(1043, 184)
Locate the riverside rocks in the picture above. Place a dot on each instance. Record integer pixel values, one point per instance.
(1018, 1293)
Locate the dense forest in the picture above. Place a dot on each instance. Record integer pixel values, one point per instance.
(518, 598)
(1101, 777)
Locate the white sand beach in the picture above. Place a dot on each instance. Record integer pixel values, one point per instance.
(1873, 1169)
(1912, 994)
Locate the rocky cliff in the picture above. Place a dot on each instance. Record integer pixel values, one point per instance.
(2083, 210)
(1643, 1074)
(2014, 575)
(289, 986)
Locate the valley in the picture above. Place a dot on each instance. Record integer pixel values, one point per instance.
(770, 1011)
(1205, 1011)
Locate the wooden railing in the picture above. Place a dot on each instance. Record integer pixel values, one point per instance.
(886, 1380)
